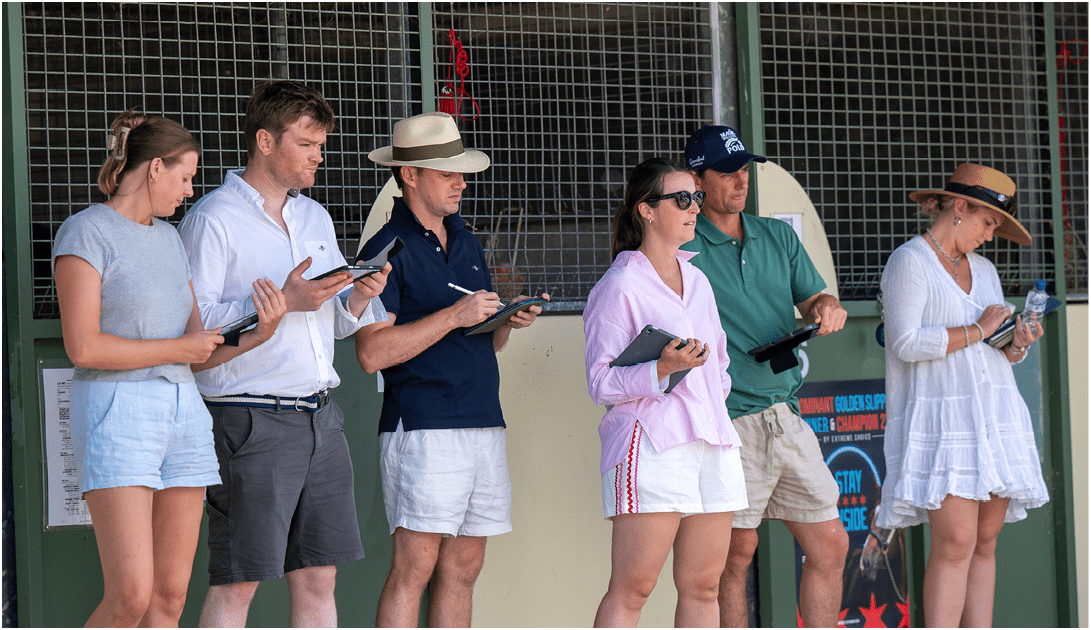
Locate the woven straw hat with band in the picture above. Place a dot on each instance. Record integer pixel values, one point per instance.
(984, 186)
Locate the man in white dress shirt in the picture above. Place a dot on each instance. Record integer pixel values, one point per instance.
(286, 504)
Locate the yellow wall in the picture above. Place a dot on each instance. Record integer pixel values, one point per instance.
(1077, 400)
(553, 569)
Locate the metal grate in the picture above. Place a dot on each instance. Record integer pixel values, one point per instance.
(197, 63)
(572, 96)
(867, 102)
(1072, 98)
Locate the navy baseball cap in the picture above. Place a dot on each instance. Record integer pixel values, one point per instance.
(718, 148)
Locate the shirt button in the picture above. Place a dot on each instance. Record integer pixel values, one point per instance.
(744, 262)
(437, 249)
(734, 242)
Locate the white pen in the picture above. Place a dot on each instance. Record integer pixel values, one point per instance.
(466, 291)
(458, 288)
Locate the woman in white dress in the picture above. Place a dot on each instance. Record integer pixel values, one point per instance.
(960, 449)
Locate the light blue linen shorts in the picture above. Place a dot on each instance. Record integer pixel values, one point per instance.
(153, 433)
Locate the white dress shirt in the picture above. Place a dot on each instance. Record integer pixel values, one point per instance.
(231, 242)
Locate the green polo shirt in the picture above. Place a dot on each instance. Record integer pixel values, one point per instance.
(757, 283)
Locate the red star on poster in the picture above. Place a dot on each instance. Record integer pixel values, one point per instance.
(799, 618)
(841, 617)
(873, 616)
(904, 609)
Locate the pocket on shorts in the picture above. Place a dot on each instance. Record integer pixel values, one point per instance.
(234, 432)
(99, 398)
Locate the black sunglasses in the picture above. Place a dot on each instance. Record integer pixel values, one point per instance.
(682, 198)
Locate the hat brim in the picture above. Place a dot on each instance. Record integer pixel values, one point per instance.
(470, 161)
(735, 162)
(1010, 229)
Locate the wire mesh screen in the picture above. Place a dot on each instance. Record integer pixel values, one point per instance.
(1072, 98)
(867, 102)
(197, 63)
(571, 97)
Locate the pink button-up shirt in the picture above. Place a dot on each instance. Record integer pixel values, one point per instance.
(629, 296)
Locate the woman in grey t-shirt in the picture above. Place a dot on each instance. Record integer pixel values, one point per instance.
(131, 327)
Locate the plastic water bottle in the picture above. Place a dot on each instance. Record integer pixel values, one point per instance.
(1036, 303)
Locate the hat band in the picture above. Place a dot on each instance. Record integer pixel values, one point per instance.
(428, 152)
(991, 197)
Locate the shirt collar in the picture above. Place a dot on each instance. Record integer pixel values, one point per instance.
(235, 183)
(402, 215)
(716, 236)
(633, 256)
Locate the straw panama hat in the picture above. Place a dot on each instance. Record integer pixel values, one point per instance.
(987, 187)
(431, 141)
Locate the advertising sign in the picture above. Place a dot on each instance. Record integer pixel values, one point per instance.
(849, 419)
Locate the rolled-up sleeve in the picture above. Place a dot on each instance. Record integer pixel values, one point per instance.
(905, 298)
(614, 385)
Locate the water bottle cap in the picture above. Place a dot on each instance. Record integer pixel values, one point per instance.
(1040, 284)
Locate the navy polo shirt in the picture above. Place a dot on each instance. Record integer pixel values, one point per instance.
(455, 383)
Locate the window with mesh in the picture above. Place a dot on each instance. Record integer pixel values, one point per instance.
(572, 96)
(197, 63)
(1072, 99)
(867, 102)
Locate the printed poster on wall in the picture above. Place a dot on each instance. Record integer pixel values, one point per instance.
(849, 419)
(65, 506)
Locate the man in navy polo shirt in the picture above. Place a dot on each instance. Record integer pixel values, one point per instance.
(442, 447)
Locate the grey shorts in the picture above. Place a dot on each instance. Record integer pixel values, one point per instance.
(786, 477)
(286, 501)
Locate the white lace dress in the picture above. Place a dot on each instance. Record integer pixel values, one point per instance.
(956, 423)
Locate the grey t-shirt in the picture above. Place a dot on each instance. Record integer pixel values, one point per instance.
(145, 283)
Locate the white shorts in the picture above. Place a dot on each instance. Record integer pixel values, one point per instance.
(693, 478)
(446, 481)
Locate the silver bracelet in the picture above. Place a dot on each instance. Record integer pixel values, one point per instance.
(980, 330)
(966, 331)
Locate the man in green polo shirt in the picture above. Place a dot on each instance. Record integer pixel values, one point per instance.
(759, 271)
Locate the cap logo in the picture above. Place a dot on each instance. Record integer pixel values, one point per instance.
(731, 141)
(697, 161)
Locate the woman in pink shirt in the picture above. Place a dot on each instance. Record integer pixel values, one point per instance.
(671, 474)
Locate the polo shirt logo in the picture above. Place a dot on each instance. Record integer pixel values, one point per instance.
(475, 267)
(731, 141)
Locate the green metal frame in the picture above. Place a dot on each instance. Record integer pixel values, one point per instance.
(776, 554)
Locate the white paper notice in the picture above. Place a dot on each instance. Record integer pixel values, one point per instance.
(65, 505)
(793, 219)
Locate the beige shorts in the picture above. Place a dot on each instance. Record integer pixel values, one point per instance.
(786, 478)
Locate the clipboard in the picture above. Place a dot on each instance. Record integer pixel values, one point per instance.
(1006, 332)
(779, 352)
(366, 268)
(647, 346)
(501, 317)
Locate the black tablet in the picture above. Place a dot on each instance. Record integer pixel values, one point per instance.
(363, 269)
(779, 353)
(647, 346)
(232, 331)
(499, 318)
(1006, 332)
